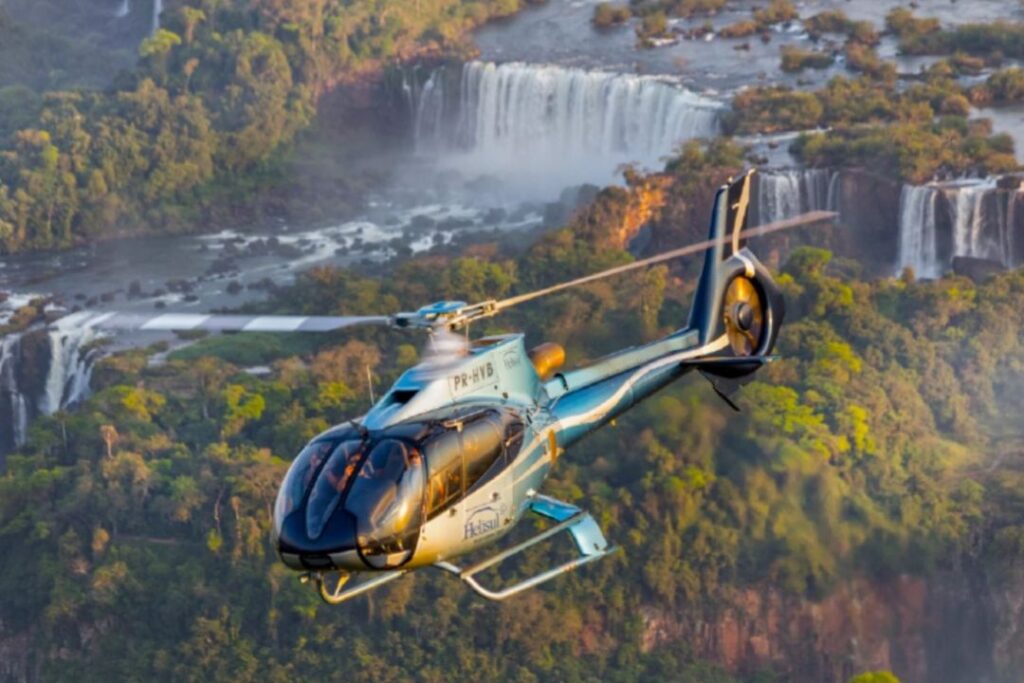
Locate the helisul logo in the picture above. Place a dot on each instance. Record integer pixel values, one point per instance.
(482, 521)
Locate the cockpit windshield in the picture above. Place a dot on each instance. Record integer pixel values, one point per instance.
(386, 499)
(372, 491)
(298, 479)
(331, 483)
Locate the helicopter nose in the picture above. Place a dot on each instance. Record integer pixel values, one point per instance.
(334, 548)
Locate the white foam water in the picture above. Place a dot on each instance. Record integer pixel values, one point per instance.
(982, 226)
(918, 244)
(554, 126)
(787, 193)
(71, 365)
(18, 408)
(158, 9)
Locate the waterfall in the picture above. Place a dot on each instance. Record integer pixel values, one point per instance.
(11, 396)
(918, 244)
(980, 224)
(787, 193)
(552, 123)
(71, 363)
(428, 122)
(967, 204)
(123, 10)
(158, 9)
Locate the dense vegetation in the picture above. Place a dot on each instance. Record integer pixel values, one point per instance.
(913, 133)
(137, 528)
(221, 90)
(994, 41)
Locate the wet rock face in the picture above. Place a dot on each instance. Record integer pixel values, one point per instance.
(948, 628)
(869, 205)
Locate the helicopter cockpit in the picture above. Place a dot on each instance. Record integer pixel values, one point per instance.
(351, 489)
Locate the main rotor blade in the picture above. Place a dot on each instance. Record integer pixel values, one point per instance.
(795, 222)
(183, 322)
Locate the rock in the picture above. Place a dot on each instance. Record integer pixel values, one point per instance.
(495, 215)
(422, 222)
(977, 269)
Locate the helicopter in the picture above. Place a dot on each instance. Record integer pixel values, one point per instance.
(455, 453)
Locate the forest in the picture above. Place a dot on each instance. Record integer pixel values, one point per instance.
(205, 119)
(138, 532)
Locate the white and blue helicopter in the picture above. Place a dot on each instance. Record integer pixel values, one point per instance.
(455, 454)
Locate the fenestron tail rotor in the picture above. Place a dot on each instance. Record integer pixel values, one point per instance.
(743, 315)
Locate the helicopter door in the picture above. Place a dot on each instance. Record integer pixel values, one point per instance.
(386, 499)
(488, 479)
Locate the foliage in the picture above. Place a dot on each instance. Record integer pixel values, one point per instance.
(739, 29)
(143, 518)
(676, 8)
(925, 36)
(1004, 86)
(606, 14)
(875, 677)
(776, 12)
(915, 151)
(772, 109)
(653, 26)
(218, 96)
(913, 133)
(836, 21)
(797, 59)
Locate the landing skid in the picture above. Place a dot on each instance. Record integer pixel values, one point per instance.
(590, 543)
(339, 593)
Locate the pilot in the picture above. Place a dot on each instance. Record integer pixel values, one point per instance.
(323, 449)
(348, 455)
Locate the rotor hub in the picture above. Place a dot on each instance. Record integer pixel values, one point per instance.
(743, 314)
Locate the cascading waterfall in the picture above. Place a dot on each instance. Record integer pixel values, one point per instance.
(981, 223)
(969, 219)
(71, 364)
(158, 9)
(12, 399)
(918, 244)
(552, 123)
(787, 193)
(27, 395)
(428, 114)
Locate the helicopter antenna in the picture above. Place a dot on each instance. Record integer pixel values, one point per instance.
(369, 384)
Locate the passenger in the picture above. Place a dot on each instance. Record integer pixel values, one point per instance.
(323, 449)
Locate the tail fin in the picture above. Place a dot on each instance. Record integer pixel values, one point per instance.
(737, 308)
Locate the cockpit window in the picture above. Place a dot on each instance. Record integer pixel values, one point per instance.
(299, 477)
(331, 483)
(444, 454)
(481, 446)
(386, 498)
